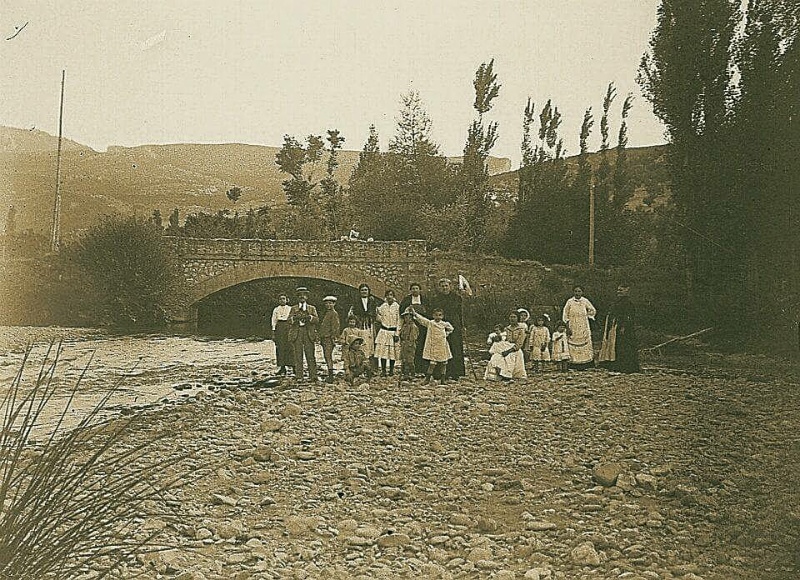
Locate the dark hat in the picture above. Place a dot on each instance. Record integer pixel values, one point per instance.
(301, 290)
(407, 312)
(355, 340)
(329, 299)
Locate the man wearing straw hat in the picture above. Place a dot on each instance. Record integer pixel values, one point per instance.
(303, 334)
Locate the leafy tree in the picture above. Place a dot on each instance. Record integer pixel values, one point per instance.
(474, 175)
(234, 193)
(131, 273)
(413, 135)
(604, 186)
(687, 75)
(541, 227)
(157, 220)
(331, 194)
(174, 226)
(300, 161)
(403, 194)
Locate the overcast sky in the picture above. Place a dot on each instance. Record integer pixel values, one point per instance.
(214, 71)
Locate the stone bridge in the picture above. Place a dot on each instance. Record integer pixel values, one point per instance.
(210, 265)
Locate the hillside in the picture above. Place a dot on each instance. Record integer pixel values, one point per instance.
(126, 180)
(648, 166)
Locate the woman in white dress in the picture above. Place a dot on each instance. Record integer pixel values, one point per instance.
(386, 341)
(577, 313)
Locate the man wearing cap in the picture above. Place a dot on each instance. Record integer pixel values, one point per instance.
(303, 334)
(280, 334)
(328, 331)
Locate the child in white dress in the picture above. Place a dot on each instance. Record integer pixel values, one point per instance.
(539, 341)
(499, 366)
(561, 346)
(437, 349)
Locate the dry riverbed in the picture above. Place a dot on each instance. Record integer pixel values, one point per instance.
(688, 470)
(666, 474)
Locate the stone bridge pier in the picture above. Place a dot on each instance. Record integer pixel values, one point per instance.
(210, 265)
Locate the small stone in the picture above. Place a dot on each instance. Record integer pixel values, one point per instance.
(392, 540)
(233, 529)
(291, 410)
(203, 534)
(585, 555)
(271, 425)
(460, 520)
(532, 574)
(505, 575)
(478, 554)
(487, 565)
(263, 453)
(646, 481)
(487, 487)
(224, 499)
(540, 526)
(254, 543)
(487, 525)
(606, 474)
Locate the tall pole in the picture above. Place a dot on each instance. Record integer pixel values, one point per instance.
(591, 224)
(55, 233)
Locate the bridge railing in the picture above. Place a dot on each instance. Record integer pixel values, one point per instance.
(294, 250)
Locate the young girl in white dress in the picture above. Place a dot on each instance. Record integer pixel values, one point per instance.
(386, 341)
(539, 341)
(499, 367)
(561, 346)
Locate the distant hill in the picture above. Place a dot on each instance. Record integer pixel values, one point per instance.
(648, 167)
(128, 180)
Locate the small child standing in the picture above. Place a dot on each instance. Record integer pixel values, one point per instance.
(349, 332)
(328, 329)
(357, 363)
(561, 347)
(539, 340)
(409, 333)
(437, 350)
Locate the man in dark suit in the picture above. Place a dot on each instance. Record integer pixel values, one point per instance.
(303, 334)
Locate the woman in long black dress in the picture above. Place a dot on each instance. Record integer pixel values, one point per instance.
(620, 349)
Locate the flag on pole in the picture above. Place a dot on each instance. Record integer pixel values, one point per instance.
(463, 285)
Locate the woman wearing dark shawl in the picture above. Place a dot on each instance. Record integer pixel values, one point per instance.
(619, 351)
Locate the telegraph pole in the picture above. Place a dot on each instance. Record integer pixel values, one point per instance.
(591, 224)
(55, 232)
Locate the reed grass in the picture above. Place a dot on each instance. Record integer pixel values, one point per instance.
(75, 500)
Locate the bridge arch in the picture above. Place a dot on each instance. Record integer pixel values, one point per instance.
(247, 272)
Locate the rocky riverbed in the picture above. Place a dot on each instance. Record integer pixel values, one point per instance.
(672, 473)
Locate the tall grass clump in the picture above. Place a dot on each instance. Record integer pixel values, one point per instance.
(74, 500)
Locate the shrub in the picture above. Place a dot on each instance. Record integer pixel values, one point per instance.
(70, 503)
(131, 273)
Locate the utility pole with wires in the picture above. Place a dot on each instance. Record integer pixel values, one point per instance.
(55, 232)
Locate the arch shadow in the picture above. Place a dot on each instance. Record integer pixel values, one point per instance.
(242, 273)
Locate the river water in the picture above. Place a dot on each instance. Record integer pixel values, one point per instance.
(143, 369)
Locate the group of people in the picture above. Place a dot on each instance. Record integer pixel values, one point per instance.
(517, 345)
(426, 336)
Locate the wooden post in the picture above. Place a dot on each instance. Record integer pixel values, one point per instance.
(55, 232)
(591, 224)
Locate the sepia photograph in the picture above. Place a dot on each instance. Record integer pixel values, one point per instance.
(500, 289)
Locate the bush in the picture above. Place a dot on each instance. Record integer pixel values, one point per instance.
(131, 274)
(71, 502)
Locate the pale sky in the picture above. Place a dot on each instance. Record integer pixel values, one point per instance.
(250, 72)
